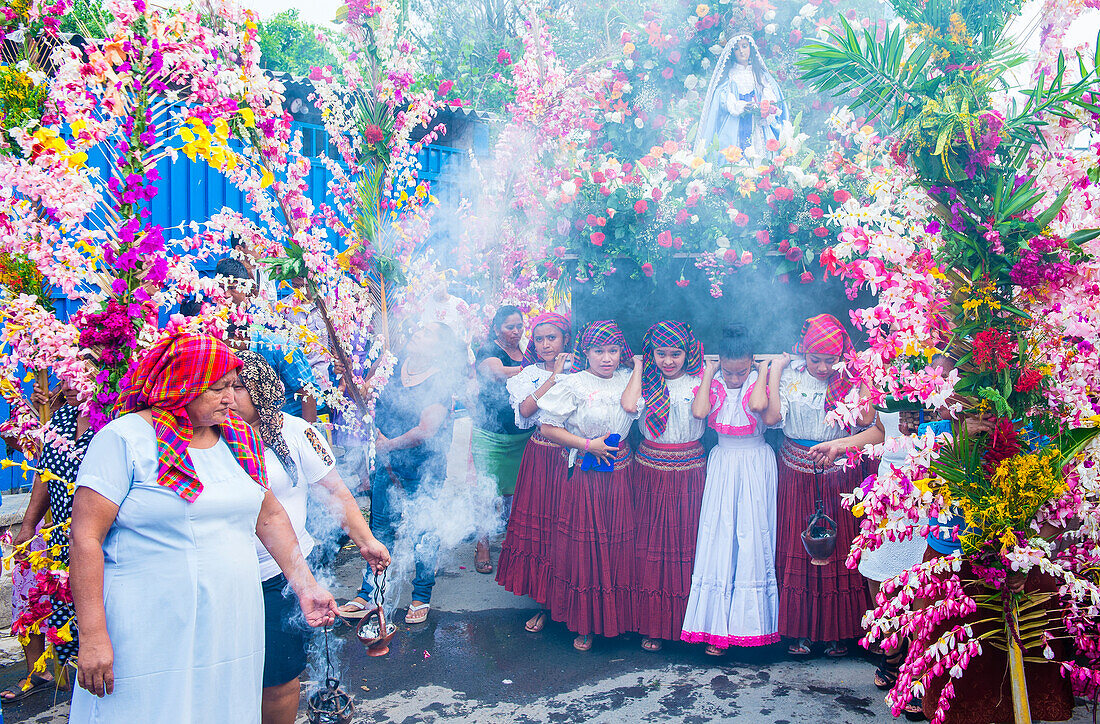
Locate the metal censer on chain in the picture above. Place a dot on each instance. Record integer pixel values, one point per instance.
(374, 630)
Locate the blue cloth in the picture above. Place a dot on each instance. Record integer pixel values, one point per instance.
(289, 363)
(385, 514)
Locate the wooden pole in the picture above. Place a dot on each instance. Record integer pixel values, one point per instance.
(42, 382)
(1021, 709)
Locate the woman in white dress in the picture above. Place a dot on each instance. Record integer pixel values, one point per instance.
(734, 598)
(164, 573)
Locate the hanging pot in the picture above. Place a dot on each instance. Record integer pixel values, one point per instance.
(329, 705)
(376, 632)
(819, 538)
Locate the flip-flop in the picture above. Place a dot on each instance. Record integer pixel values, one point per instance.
(836, 651)
(800, 649)
(583, 643)
(652, 645)
(353, 609)
(413, 615)
(536, 622)
(712, 650)
(483, 566)
(37, 683)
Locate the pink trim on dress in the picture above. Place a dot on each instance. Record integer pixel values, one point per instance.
(718, 390)
(724, 642)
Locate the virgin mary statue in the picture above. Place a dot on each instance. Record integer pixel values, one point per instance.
(744, 106)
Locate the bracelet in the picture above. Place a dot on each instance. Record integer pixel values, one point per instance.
(587, 442)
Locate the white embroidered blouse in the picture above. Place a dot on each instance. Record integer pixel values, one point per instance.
(587, 405)
(523, 385)
(682, 425)
(802, 406)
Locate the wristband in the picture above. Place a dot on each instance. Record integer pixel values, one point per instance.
(586, 444)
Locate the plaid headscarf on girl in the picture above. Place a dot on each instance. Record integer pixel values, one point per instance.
(266, 391)
(170, 375)
(824, 334)
(598, 334)
(530, 356)
(668, 333)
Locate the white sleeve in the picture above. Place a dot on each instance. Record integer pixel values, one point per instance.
(520, 388)
(311, 452)
(558, 404)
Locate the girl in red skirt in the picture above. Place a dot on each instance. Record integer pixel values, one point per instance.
(524, 564)
(817, 603)
(670, 473)
(592, 545)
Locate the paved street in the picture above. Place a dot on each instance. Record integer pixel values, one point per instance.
(473, 662)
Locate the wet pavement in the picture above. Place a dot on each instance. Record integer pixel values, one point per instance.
(473, 662)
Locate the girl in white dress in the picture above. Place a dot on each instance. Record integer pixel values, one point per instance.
(524, 564)
(734, 598)
(592, 545)
(670, 472)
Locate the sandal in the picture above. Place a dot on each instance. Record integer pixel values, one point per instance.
(886, 675)
(649, 644)
(712, 650)
(914, 710)
(800, 649)
(483, 566)
(836, 650)
(417, 613)
(536, 623)
(583, 643)
(356, 608)
(30, 685)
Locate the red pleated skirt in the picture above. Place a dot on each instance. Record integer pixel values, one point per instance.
(592, 551)
(668, 493)
(819, 603)
(524, 564)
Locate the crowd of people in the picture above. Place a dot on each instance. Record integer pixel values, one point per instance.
(190, 507)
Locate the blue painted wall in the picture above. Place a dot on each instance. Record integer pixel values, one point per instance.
(192, 191)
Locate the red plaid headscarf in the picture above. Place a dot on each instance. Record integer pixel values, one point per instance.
(824, 334)
(669, 333)
(171, 374)
(598, 334)
(530, 356)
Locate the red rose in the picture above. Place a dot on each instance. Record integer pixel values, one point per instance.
(647, 269)
(640, 206)
(783, 246)
(840, 196)
(445, 87)
(677, 243)
(821, 232)
(656, 194)
(813, 198)
(741, 219)
(664, 239)
(763, 238)
(597, 238)
(746, 257)
(730, 256)
(816, 213)
(806, 277)
(783, 193)
(794, 253)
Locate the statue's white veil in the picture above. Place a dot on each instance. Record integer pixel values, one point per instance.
(708, 119)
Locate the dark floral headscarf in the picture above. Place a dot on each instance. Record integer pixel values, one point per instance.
(267, 395)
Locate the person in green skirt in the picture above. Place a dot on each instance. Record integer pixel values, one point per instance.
(497, 443)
